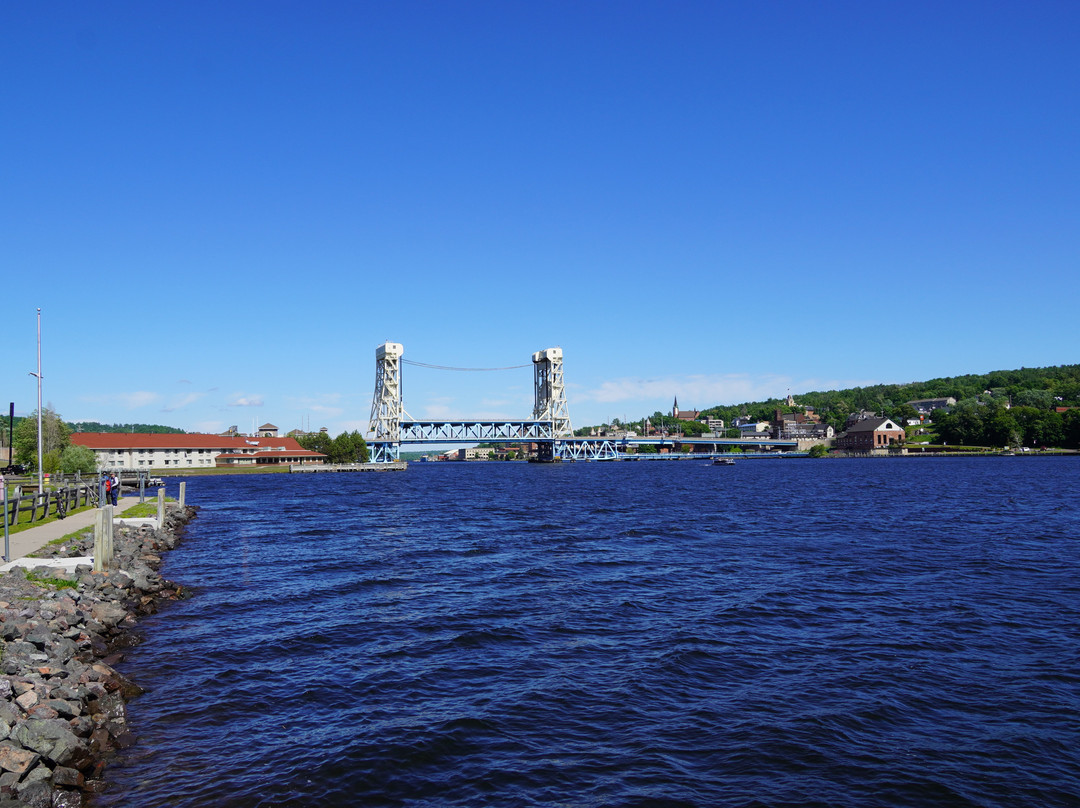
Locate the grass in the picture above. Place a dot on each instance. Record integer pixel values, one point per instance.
(24, 522)
(58, 583)
(144, 510)
(275, 468)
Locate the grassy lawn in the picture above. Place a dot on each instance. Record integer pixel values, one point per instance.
(277, 468)
(24, 522)
(144, 510)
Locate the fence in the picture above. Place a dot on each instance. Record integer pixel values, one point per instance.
(50, 503)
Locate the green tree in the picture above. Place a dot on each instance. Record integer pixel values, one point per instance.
(348, 447)
(54, 439)
(818, 450)
(78, 458)
(316, 442)
(1070, 427)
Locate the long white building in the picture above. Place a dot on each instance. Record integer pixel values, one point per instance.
(171, 452)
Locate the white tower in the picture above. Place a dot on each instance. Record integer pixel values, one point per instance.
(550, 393)
(386, 408)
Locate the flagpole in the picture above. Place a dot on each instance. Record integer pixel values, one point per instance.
(40, 458)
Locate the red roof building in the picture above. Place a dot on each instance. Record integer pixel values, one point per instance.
(165, 452)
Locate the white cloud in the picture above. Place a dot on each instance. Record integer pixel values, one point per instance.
(133, 400)
(179, 402)
(437, 411)
(246, 401)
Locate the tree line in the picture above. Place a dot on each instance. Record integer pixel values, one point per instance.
(981, 422)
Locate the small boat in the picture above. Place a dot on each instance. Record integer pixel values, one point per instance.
(723, 461)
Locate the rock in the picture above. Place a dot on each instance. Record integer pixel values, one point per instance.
(64, 776)
(39, 772)
(66, 799)
(108, 614)
(59, 710)
(17, 761)
(62, 707)
(36, 795)
(42, 711)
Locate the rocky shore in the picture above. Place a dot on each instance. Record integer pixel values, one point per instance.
(62, 703)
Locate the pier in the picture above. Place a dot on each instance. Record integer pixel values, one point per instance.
(395, 465)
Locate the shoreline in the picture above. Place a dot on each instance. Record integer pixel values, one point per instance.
(62, 703)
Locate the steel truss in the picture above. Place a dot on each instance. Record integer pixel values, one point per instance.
(386, 407)
(384, 452)
(594, 449)
(474, 431)
(549, 391)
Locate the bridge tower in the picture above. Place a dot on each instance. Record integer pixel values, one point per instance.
(386, 407)
(549, 395)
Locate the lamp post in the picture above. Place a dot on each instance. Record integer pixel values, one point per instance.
(40, 464)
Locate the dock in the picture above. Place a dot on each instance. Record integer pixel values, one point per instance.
(397, 465)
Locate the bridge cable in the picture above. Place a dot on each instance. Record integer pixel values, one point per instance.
(446, 367)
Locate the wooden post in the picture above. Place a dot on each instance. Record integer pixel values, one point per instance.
(109, 528)
(183, 493)
(99, 540)
(160, 508)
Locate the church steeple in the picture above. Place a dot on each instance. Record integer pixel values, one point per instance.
(675, 408)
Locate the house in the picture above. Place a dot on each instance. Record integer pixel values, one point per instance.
(267, 431)
(925, 406)
(165, 452)
(869, 434)
(754, 429)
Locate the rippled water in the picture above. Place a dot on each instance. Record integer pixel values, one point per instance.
(780, 632)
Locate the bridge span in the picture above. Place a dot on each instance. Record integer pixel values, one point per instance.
(549, 426)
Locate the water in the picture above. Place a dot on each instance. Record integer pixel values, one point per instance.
(777, 633)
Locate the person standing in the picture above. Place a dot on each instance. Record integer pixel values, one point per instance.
(115, 479)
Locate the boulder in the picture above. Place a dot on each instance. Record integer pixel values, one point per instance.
(17, 761)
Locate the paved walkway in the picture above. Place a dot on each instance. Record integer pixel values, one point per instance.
(28, 541)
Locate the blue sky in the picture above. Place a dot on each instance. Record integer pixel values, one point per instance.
(222, 209)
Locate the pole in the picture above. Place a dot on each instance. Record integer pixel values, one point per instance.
(11, 433)
(40, 458)
(7, 542)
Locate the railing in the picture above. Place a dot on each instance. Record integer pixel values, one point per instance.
(50, 503)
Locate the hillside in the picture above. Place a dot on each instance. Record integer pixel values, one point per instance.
(1038, 388)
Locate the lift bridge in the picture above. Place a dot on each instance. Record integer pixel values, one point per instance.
(549, 427)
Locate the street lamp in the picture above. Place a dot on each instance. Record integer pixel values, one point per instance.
(40, 464)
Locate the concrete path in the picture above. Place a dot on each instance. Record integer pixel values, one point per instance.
(28, 541)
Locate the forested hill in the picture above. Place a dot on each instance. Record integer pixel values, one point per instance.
(1039, 388)
(145, 429)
